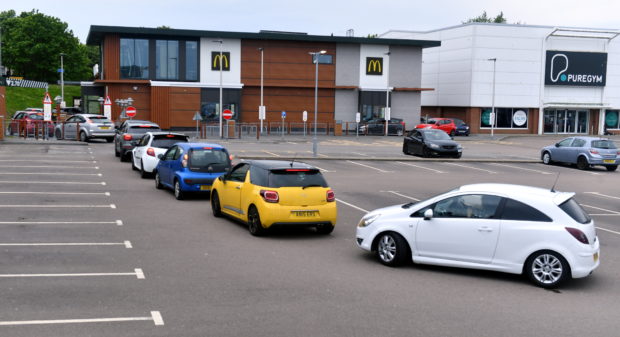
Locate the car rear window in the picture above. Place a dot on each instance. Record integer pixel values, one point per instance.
(603, 144)
(575, 211)
(208, 160)
(99, 119)
(36, 117)
(143, 128)
(166, 141)
(515, 210)
(296, 177)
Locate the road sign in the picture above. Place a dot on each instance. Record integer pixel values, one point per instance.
(130, 111)
(107, 100)
(227, 114)
(305, 116)
(47, 99)
(283, 114)
(261, 112)
(357, 117)
(197, 116)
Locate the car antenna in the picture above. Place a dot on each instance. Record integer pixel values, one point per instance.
(556, 181)
(293, 160)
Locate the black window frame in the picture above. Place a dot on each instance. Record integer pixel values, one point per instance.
(542, 217)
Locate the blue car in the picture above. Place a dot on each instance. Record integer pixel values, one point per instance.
(191, 168)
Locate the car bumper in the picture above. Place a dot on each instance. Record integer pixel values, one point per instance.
(442, 152)
(101, 134)
(196, 183)
(279, 215)
(149, 163)
(586, 261)
(604, 161)
(363, 237)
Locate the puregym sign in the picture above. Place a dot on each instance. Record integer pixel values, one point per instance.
(575, 68)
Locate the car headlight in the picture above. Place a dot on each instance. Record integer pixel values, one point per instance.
(368, 219)
(433, 145)
(459, 147)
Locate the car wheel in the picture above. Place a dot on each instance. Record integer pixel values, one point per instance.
(254, 225)
(143, 173)
(547, 269)
(458, 155)
(133, 167)
(215, 205)
(392, 249)
(158, 184)
(124, 156)
(58, 134)
(611, 168)
(325, 229)
(399, 133)
(582, 163)
(83, 137)
(109, 140)
(116, 153)
(405, 150)
(546, 158)
(452, 133)
(178, 194)
(426, 152)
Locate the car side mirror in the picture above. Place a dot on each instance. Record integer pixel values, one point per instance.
(557, 144)
(428, 214)
(160, 156)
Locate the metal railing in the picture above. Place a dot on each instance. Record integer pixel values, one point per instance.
(28, 128)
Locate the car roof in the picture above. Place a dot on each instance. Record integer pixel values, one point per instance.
(159, 133)
(518, 191)
(588, 138)
(90, 115)
(201, 145)
(279, 164)
(139, 121)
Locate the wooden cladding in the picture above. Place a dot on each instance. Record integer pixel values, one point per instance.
(292, 100)
(141, 95)
(174, 106)
(111, 57)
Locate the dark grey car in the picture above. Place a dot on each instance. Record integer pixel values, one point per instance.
(584, 152)
(431, 142)
(128, 134)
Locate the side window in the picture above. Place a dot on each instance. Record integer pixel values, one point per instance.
(169, 155)
(565, 142)
(515, 210)
(145, 140)
(239, 173)
(178, 154)
(258, 176)
(578, 143)
(477, 206)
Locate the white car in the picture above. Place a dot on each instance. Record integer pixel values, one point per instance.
(541, 233)
(144, 155)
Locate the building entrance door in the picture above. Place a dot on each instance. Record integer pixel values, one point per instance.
(566, 121)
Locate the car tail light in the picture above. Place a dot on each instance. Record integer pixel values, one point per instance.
(270, 196)
(184, 161)
(579, 235)
(89, 121)
(188, 181)
(127, 136)
(150, 152)
(331, 196)
(593, 151)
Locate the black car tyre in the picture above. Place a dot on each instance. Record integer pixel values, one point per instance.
(426, 152)
(547, 269)
(133, 167)
(124, 156)
(405, 150)
(178, 194)
(582, 163)
(546, 158)
(458, 155)
(83, 137)
(325, 229)
(58, 134)
(109, 140)
(143, 173)
(392, 249)
(611, 168)
(399, 132)
(158, 184)
(254, 225)
(215, 205)
(116, 153)
(452, 133)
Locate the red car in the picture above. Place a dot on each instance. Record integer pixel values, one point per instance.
(28, 122)
(445, 124)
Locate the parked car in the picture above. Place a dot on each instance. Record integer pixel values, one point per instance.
(431, 142)
(446, 124)
(191, 167)
(584, 152)
(462, 128)
(128, 134)
(541, 233)
(151, 145)
(26, 123)
(91, 126)
(268, 193)
(396, 126)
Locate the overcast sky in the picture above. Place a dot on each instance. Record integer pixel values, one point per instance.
(318, 17)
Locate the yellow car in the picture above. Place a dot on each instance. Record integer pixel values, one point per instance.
(266, 193)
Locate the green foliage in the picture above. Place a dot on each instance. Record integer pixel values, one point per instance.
(21, 98)
(33, 42)
(484, 18)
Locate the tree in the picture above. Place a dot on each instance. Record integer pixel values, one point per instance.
(33, 42)
(484, 18)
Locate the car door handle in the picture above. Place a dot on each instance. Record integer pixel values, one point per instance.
(238, 187)
(485, 229)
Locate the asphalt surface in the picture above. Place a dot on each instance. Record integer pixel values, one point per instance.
(80, 229)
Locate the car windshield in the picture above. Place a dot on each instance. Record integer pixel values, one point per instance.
(431, 121)
(208, 160)
(296, 178)
(603, 144)
(166, 141)
(36, 117)
(142, 128)
(572, 208)
(436, 135)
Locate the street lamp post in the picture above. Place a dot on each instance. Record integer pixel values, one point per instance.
(100, 100)
(62, 77)
(315, 57)
(493, 117)
(387, 116)
(261, 109)
(221, 42)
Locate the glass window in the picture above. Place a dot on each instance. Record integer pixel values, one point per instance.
(578, 142)
(239, 172)
(208, 160)
(372, 105)
(572, 208)
(603, 144)
(169, 155)
(191, 61)
(478, 206)
(138, 129)
(323, 58)
(611, 119)
(506, 118)
(296, 177)
(258, 176)
(515, 210)
(134, 58)
(166, 60)
(166, 141)
(566, 142)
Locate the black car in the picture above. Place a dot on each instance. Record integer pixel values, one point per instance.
(461, 127)
(431, 142)
(396, 127)
(128, 134)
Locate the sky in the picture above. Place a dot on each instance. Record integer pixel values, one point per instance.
(318, 17)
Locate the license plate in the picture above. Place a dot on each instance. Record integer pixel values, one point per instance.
(595, 257)
(205, 187)
(609, 161)
(104, 127)
(304, 214)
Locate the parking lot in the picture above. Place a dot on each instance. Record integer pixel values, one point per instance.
(91, 249)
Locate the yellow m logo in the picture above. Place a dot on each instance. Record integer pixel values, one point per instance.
(218, 59)
(374, 66)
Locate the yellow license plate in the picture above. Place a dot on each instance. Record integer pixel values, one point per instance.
(609, 161)
(205, 187)
(595, 257)
(104, 127)
(304, 214)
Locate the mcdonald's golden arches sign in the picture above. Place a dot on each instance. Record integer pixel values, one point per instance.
(374, 65)
(215, 60)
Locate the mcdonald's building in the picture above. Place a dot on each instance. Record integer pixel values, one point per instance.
(172, 74)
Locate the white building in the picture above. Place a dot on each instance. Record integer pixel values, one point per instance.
(540, 79)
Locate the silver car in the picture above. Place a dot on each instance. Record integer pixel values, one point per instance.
(85, 127)
(584, 152)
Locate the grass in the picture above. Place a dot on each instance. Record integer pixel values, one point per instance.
(22, 98)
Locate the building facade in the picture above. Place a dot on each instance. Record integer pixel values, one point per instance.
(171, 74)
(538, 79)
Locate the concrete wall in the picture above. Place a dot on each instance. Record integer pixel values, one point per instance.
(347, 65)
(346, 105)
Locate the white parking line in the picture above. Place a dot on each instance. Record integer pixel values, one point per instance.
(50, 166)
(360, 154)
(601, 209)
(602, 195)
(522, 168)
(51, 182)
(471, 167)
(127, 244)
(138, 273)
(422, 167)
(155, 317)
(404, 196)
(117, 222)
(370, 167)
(107, 194)
(608, 230)
(58, 206)
(52, 173)
(271, 153)
(351, 205)
(45, 160)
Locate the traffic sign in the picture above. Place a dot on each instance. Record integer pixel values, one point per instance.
(107, 100)
(197, 116)
(283, 114)
(227, 114)
(305, 116)
(47, 99)
(130, 111)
